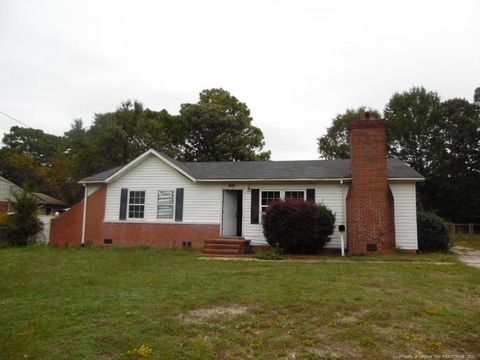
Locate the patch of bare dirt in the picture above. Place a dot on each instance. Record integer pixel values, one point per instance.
(349, 318)
(213, 312)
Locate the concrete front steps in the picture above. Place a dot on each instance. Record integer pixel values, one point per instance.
(226, 247)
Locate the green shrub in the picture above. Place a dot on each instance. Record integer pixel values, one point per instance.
(272, 254)
(433, 235)
(297, 226)
(23, 224)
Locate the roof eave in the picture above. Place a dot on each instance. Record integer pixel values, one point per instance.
(91, 182)
(406, 179)
(134, 163)
(272, 180)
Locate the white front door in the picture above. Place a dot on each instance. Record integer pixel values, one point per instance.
(229, 213)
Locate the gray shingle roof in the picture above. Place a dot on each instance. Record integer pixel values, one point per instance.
(49, 200)
(102, 175)
(275, 170)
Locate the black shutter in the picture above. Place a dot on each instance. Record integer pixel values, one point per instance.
(123, 204)
(254, 208)
(179, 205)
(311, 195)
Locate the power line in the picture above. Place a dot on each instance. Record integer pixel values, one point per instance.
(11, 117)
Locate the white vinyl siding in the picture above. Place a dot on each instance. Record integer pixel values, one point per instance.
(330, 194)
(202, 202)
(7, 190)
(405, 206)
(91, 188)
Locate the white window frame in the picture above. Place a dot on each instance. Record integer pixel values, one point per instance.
(303, 191)
(282, 197)
(144, 204)
(261, 197)
(173, 209)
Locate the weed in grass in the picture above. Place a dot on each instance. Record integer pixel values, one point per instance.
(142, 351)
(308, 342)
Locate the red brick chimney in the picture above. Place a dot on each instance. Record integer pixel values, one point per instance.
(370, 213)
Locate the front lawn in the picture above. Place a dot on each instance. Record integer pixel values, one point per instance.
(107, 303)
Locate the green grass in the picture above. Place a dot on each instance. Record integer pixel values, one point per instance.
(102, 303)
(467, 241)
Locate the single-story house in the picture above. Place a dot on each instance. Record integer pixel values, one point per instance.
(7, 188)
(50, 205)
(158, 201)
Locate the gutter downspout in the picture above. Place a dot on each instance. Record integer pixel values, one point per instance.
(342, 241)
(84, 220)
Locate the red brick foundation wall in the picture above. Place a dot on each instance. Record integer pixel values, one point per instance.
(67, 229)
(3, 207)
(370, 211)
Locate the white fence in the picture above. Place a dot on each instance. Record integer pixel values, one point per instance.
(44, 236)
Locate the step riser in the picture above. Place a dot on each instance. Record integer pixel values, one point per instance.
(221, 241)
(223, 246)
(222, 252)
(226, 247)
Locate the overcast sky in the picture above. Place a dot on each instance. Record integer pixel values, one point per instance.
(296, 63)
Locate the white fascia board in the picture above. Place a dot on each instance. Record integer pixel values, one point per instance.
(406, 179)
(271, 180)
(136, 161)
(143, 156)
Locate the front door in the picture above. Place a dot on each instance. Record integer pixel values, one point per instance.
(232, 213)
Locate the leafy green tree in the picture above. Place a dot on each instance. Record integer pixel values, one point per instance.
(121, 136)
(335, 144)
(24, 223)
(413, 133)
(439, 139)
(41, 146)
(451, 188)
(219, 128)
(33, 157)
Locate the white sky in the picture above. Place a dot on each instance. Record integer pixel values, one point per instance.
(296, 64)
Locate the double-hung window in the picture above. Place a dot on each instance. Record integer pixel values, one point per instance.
(295, 195)
(268, 197)
(165, 204)
(136, 204)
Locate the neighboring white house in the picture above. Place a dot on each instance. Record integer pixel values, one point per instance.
(47, 209)
(7, 188)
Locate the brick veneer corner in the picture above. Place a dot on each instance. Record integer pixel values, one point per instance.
(67, 229)
(3, 207)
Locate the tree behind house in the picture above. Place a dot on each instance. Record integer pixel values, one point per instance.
(219, 128)
(439, 139)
